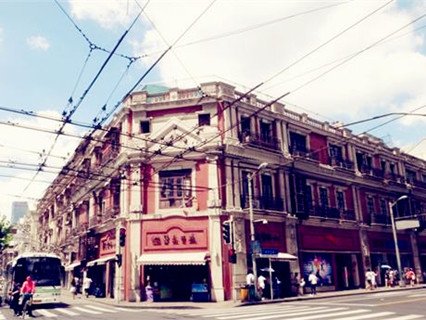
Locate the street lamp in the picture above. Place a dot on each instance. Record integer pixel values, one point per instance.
(252, 235)
(395, 239)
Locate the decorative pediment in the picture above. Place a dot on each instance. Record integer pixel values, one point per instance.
(175, 134)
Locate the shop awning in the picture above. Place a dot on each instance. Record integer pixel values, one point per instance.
(176, 259)
(282, 256)
(71, 266)
(100, 261)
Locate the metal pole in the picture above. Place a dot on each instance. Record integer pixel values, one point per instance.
(395, 239)
(252, 236)
(271, 281)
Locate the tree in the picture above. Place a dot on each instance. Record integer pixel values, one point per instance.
(5, 233)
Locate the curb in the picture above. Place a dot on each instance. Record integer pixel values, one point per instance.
(202, 305)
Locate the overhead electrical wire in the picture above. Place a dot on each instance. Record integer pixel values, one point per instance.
(334, 37)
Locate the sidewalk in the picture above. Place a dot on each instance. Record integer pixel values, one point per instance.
(67, 298)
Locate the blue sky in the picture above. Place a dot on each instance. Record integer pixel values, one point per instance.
(42, 54)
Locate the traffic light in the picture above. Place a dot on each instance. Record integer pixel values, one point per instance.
(226, 231)
(232, 256)
(122, 237)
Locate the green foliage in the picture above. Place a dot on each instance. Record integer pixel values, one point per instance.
(5, 233)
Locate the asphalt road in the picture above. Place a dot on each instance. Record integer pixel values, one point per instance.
(394, 305)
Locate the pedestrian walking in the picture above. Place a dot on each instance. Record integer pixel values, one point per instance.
(87, 282)
(250, 285)
(261, 284)
(73, 288)
(313, 281)
(410, 276)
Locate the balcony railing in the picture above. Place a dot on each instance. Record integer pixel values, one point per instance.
(263, 202)
(378, 218)
(332, 213)
(254, 139)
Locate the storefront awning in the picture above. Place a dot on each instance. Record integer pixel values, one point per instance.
(71, 266)
(100, 261)
(282, 256)
(183, 258)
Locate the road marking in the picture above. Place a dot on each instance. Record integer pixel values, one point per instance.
(100, 309)
(2, 317)
(67, 312)
(417, 295)
(369, 316)
(401, 301)
(236, 313)
(126, 309)
(46, 313)
(329, 315)
(86, 310)
(407, 317)
(317, 310)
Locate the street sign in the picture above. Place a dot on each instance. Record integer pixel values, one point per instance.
(270, 251)
(255, 247)
(407, 224)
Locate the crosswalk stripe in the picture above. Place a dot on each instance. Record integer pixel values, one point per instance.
(86, 310)
(2, 317)
(100, 309)
(301, 313)
(126, 309)
(46, 313)
(375, 315)
(417, 295)
(67, 312)
(407, 317)
(329, 315)
(236, 313)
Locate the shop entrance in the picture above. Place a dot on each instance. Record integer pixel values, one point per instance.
(175, 283)
(281, 277)
(347, 271)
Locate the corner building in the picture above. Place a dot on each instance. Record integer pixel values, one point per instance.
(144, 200)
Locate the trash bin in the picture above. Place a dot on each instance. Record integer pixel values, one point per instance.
(244, 292)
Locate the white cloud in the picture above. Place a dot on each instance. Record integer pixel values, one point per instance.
(108, 14)
(388, 77)
(38, 43)
(27, 148)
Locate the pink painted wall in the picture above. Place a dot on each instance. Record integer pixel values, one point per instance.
(202, 183)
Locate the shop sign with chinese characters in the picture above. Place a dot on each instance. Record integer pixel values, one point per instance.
(176, 238)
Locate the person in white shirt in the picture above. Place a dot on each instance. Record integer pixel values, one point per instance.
(87, 282)
(261, 283)
(313, 281)
(250, 285)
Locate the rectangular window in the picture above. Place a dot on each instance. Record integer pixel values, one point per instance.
(297, 143)
(323, 193)
(336, 152)
(340, 197)
(410, 175)
(145, 126)
(175, 189)
(383, 207)
(370, 205)
(204, 119)
(392, 168)
(245, 124)
(265, 131)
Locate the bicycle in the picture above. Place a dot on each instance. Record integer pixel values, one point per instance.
(27, 302)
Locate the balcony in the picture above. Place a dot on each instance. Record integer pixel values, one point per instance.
(111, 213)
(299, 151)
(257, 140)
(378, 218)
(332, 213)
(262, 202)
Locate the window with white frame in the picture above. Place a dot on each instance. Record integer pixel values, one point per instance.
(175, 189)
(323, 197)
(370, 205)
(383, 207)
(340, 200)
